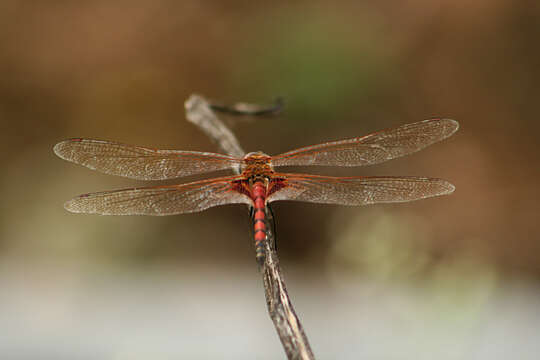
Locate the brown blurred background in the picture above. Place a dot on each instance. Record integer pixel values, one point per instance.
(454, 277)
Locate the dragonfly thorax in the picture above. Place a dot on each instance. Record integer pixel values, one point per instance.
(265, 180)
(257, 165)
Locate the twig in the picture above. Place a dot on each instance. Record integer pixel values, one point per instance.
(198, 111)
(280, 308)
(242, 108)
(288, 326)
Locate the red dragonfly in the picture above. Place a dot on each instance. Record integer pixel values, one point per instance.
(257, 184)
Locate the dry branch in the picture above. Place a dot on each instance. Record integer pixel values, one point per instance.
(291, 333)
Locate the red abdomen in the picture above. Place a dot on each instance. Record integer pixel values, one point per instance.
(259, 219)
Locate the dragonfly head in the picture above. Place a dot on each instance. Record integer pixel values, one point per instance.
(256, 155)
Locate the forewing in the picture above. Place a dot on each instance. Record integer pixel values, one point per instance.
(160, 200)
(371, 149)
(141, 163)
(358, 190)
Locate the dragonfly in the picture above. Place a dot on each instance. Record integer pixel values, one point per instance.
(256, 183)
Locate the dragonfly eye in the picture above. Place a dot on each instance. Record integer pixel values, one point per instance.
(255, 155)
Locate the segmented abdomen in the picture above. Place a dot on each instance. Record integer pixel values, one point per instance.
(259, 219)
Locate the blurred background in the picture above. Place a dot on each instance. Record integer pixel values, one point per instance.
(454, 277)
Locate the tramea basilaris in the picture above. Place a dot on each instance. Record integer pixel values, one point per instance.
(257, 183)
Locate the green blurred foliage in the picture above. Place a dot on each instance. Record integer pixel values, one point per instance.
(318, 64)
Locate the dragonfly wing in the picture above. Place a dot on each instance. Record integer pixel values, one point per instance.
(373, 148)
(160, 200)
(358, 190)
(141, 163)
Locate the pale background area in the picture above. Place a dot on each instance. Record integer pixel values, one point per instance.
(446, 278)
